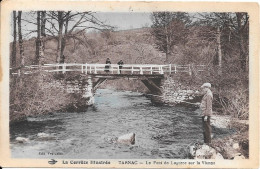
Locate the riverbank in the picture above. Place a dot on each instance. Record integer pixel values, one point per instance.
(36, 94)
(230, 106)
(235, 146)
(229, 146)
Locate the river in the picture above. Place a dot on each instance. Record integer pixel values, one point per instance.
(161, 131)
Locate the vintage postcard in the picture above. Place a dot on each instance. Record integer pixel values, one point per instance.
(129, 84)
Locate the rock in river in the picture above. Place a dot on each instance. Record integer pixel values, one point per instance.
(203, 152)
(43, 135)
(127, 139)
(21, 139)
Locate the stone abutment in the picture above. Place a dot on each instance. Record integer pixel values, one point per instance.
(167, 90)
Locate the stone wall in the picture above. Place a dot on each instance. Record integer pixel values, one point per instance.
(80, 87)
(175, 91)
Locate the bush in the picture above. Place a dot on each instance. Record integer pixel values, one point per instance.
(231, 90)
(36, 94)
(237, 104)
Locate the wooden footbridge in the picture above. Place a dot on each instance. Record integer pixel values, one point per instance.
(114, 70)
(149, 74)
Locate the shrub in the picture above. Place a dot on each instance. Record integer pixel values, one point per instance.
(238, 102)
(36, 94)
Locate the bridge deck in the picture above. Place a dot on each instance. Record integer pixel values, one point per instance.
(129, 76)
(128, 70)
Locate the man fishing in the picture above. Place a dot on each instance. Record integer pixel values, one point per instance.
(206, 110)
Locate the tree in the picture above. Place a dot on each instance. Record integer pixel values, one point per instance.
(68, 22)
(219, 50)
(61, 26)
(241, 29)
(43, 37)
(43, 23)
(59, 49)
(20, 38)
(169, 29)
(38, 39)
(13, 60)
(231, 29)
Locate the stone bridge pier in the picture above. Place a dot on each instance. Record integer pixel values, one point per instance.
(85, 86)
(163, 89)
(81, 88)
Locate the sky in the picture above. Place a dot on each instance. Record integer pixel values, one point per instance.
(126, 20)
(120, 20)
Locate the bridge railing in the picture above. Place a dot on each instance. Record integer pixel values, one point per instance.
(110, 68)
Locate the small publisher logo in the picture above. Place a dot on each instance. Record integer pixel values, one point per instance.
(52, 161)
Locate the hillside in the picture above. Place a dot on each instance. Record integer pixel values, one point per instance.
(132, 46)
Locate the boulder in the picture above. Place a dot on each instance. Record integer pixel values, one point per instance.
(43, 135)
(218, 149)
(213, 153)
(126, 139)
(205, 152)
(192, 151)
(205, 147)
(219, 156)
(21, 139)
(235, 146)
(91, 101)
(231, 152)
(239, 157)
(200, 154)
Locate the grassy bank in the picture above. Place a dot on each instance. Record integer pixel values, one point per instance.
(36, 94)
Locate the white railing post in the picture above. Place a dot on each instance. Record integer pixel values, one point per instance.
(64, 68)
(95, 69)
(19, 72)
(189, 70)
(118, 71)
(82, 68)
(90, 69)
(141, 70)
(161, 71)
(175, 69)
(132, 70)
(86, 68)
(112, 69)
(151, 70)
(170, 68)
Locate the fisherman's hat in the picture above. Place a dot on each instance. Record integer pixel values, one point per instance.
(207, 85)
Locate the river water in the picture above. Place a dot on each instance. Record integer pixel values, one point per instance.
(161, 132)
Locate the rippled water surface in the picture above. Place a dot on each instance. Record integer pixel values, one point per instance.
(161, 132)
